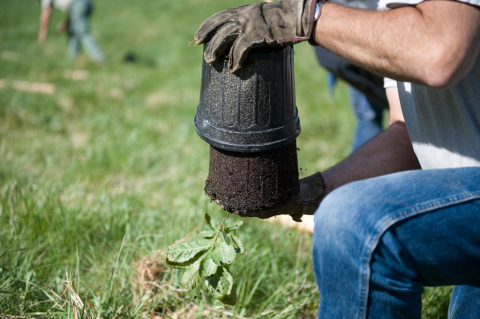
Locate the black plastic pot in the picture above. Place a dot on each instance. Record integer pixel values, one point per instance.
(253, 109)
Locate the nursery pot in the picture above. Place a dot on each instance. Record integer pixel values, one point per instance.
(250, 120)
(253, 109)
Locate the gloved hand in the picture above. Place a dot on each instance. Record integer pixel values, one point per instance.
(242, 28)
(312, 191)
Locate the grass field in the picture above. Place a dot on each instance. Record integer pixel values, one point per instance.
(99, 175)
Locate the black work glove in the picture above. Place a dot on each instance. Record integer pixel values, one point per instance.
(312, 191)
(285, 22)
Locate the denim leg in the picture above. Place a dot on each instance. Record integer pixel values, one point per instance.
(437, 248)
(465, 303)
(80, 11)
(377, 242)
(395, 290)
(369, 118)
(73, 48)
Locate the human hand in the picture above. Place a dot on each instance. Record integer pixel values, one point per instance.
(62, 26)
(306, 202)
(312, 191)
(242, 28)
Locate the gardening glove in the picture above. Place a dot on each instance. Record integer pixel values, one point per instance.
(281, 23)
(312, 191)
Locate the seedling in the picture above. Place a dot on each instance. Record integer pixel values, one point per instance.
(209, 259)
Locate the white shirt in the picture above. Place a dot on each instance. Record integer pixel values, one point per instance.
(443, 124)
(62, 5)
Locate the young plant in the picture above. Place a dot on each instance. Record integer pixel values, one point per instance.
(208, 259)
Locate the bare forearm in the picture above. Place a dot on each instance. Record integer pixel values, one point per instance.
(363, 38)
(44, 22)
(418, 44)
(389, 152)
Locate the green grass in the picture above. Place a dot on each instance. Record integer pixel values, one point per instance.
(99, 176)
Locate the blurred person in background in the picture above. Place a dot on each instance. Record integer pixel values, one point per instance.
(367, 95)
(77, 26)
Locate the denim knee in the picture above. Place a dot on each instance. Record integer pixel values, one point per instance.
(341, 226)
(344, 239)
(340, 213)
(339, 248)
(359, 240)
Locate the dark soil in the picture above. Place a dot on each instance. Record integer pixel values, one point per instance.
(245, 183)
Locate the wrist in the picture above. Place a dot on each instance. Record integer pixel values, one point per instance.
(328, 180)
(318, 13)
(318, 9)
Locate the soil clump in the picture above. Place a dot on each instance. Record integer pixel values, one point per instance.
(245, 183)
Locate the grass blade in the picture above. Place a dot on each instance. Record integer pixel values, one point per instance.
(1, 255)
(255, 286)
(107, 293)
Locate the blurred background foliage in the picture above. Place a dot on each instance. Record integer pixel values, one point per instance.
(102, 168)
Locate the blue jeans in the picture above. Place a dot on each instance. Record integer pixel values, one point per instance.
(379, 241)
(369, 117)
(79, 32)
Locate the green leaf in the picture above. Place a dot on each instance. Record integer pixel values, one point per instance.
(191, 277)
(207, 233)
(225, 237)
(230, 300)
(236, 243)
(186, 264)
(220, 285)
(222, 253)
(210, 223)
(207, 267)
(232, 226)
(182, 252)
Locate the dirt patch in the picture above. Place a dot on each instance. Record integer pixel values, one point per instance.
(32, 87)
(10, 56)
(157, 99)
(244, 183)
(116, 93)
(79, 139)
(153, 278)
(77, 75)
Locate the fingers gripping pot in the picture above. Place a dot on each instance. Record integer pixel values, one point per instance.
(250, 120)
